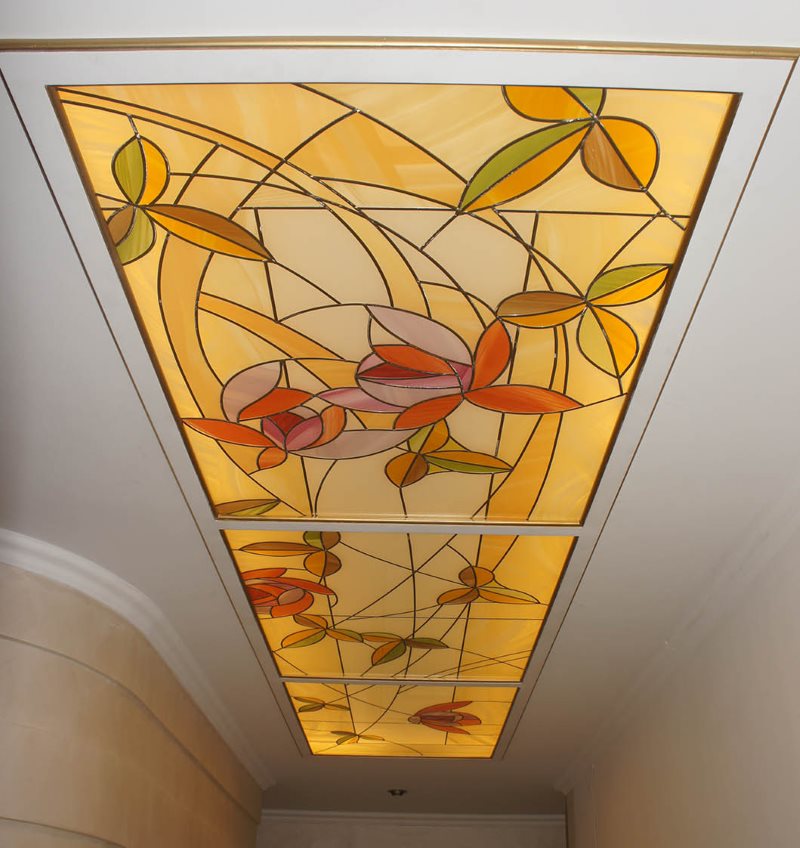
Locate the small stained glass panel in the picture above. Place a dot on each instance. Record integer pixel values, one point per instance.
(398, 605)
(382, 301)
(377, 720)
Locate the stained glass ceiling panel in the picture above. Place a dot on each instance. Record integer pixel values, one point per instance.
(400, 606)
(382, 301)
(401, 721)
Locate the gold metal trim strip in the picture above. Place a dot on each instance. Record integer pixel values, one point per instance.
(396, 42)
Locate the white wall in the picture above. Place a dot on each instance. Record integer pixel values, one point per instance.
(360, 830)
(714, 759)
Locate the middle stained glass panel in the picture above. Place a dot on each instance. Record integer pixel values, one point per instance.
(400, 605)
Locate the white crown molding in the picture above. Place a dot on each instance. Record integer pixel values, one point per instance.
(539, 822)
(100, 584)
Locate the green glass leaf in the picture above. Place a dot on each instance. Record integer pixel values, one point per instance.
(637, 281)
(322, 540)
(513, 156)
(310, 708)
(416, 442)
(607, 341)
(140, 170)
(592, 98)
(468, 462)
(424, 642)
(314, 538)
(388, 652)
(289, 641)
(128, 168)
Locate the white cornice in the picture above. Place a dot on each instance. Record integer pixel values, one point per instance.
(542, 822)
(141, 612)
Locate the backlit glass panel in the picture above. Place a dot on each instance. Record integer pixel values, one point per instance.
(373, 720)
(374, 301)
(397, 605)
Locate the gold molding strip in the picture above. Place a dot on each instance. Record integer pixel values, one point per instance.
(396, 42)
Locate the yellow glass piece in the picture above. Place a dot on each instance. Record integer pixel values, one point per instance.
(378, 720)
(397, 605)
(361, 262)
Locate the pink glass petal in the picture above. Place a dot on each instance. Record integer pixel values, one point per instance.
(353, 398)
(423, 333)
(248, 386)
(304, 434)
(274, 432)
(404, 396)
(354, 443)
(449, 381)
(464, 373)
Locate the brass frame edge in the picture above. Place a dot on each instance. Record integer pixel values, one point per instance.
(395, 42)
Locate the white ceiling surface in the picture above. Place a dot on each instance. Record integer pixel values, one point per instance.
(774, 22)
(81, 468)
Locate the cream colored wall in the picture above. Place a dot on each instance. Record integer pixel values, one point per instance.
(714, 759)
(101, 746)
(377, 830)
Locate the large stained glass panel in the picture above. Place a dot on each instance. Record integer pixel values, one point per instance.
(403, 606)
(374, 301)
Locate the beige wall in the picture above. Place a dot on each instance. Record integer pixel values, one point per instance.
(354, 830)
(714, 758)
(101, 746)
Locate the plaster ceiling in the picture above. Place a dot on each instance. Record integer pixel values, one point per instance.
(82, 468)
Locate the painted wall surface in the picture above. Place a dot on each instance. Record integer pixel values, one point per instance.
(100, 744)
(712, 756)
(715, 758)
(368, 831)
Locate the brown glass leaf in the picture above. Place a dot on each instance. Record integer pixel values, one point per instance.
(208, 230)
(246, 508)
(540, 308)
(406, 469)
(621, 153)
(322, 563)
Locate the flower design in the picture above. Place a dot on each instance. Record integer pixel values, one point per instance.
(316, 628)
(428, 371)
(431, 450)
(315, 550)
(619, 152)
(313, 705)
(480, 585)
(605, 339)
(347, 737)
(446, 717)
(275, 596)
(141, 172)
(287, 421)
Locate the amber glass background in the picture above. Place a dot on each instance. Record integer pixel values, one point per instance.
(352, 190)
